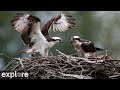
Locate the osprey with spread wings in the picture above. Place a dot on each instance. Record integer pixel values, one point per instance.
(37, 38)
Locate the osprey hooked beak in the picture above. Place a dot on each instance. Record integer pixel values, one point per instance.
(61, 40)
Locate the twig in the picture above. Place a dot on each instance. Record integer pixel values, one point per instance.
(2, 54)
(62, 53)
(51, 54)
(85, 59)
(20, 60)
(73, 54)
(8, 64)
(77, 76)
(114, 76)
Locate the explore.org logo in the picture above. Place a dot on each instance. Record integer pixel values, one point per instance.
(15, 74)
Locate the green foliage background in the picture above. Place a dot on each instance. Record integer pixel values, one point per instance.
(101, 27)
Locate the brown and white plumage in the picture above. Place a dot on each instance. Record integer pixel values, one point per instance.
(84, 47)
(37, 38)
(62, 23)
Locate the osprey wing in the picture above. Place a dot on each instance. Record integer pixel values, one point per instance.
(88, 47)
(23, 23)
(62, 23)
(59, 23)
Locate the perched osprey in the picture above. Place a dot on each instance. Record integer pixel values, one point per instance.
(37, 38)
(84, 48)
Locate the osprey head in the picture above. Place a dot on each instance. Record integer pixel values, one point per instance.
(57, 39)
(75, 38)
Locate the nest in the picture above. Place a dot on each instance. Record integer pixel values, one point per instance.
(67, 67)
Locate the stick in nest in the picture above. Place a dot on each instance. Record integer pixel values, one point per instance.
(20, 60)
(78, 58)
(77, 76)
